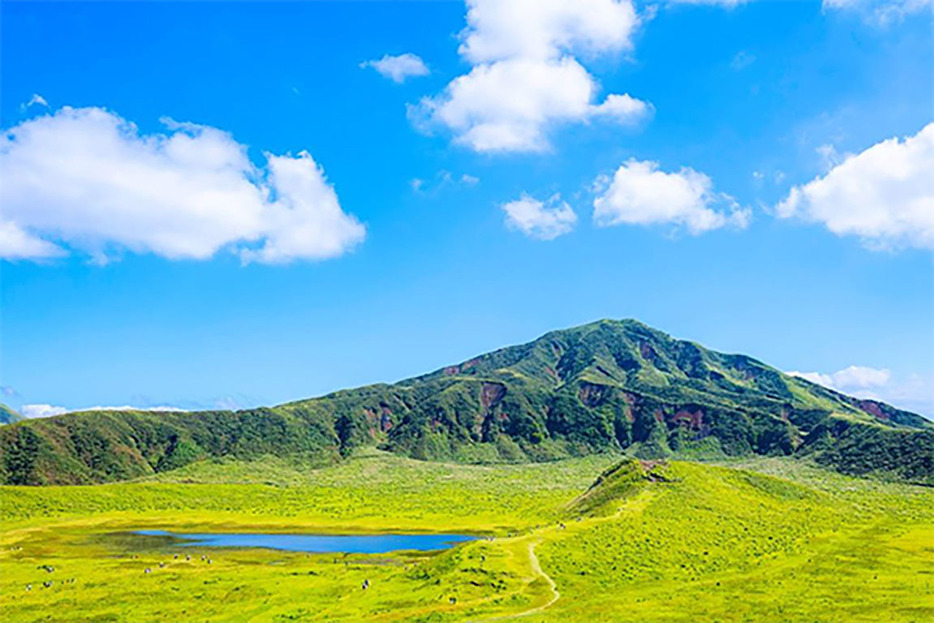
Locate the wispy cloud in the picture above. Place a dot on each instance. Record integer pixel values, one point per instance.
(742, 60)
(442, 179)
(35, 100)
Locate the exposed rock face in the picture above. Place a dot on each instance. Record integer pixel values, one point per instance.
(873, 408)
(692, 419)
(491, 395)
(591, 394)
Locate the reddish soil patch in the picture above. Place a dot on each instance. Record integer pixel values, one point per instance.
(385, 418)
(491, 394)
(694, 420)
(592, 394)
(872, 408)
(648, 353)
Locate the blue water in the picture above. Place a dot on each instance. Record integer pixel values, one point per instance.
(319, 543)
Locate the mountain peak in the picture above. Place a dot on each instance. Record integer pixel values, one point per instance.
(609, 385)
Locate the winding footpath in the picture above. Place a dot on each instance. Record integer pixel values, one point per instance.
(537, 568)
(635, 504)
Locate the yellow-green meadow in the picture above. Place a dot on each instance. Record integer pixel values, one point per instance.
(764, 540)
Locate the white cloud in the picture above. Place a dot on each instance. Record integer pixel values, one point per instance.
(398, 68)
(881, 12)
(504, 29)
(441, 180)
(884, 195)
(526, 77)
(861, 376)
(622, 108)
(89, 180)
(914, 392)
(815, 377)
(163, 408)
(641, 194)
(40, 411)
(724, 3)
(853, 377)
(829, 156)
(16, 244)
(542, 220)
(35, 100)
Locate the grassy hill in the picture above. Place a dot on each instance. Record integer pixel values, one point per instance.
(604, 386)
(584, 539)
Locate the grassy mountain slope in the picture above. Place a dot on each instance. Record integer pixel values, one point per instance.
(608, 385)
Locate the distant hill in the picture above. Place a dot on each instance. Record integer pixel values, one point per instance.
(8, 415)
(604, 386)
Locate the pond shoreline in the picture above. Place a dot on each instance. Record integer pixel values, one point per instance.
(317, 543)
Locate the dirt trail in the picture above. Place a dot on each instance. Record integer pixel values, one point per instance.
(634, 505)
(537, 568)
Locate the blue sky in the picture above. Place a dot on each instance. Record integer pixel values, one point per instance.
(285, 219)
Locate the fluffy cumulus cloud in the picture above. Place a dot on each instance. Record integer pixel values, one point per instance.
(163, 408)
(543, 220)
(16, 244)
(884, 195)
(639, 193)
(87, 179)
(39, 411)
(42, 410)
(398, 68)
(913, 392)
(851, 378)
(526, 76)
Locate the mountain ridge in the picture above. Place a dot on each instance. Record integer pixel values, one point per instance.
(609, 385)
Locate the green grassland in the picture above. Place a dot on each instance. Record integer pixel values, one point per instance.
(586, 539)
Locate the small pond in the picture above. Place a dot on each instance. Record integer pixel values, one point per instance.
(318, 543)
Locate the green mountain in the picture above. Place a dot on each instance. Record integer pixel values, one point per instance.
(604, 386)
(8, 415)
